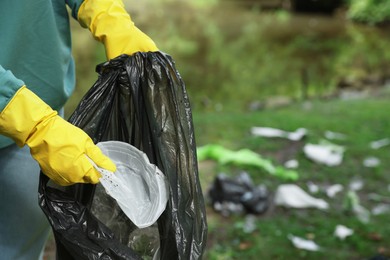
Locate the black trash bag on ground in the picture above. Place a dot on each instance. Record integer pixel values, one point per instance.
(142, 100)
(238, 195)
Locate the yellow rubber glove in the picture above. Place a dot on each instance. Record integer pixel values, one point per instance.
(110, 24)
(61, 149)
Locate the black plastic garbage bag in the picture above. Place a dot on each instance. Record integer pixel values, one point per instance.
(238, 195)
(142, 100)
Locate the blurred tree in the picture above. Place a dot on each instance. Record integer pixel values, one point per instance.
(369, 11)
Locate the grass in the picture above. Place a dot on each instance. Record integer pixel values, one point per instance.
(362, 121)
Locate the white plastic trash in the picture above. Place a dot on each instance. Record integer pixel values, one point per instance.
(302, 243)
(274, 132)
(371, 162)
(342, 232)
(332, 190)
(139, 187)
(380, 143)
(291, 164)
(330, 155)
(292, 196)
(334, 136)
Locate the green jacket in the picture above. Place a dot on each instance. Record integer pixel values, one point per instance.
(35, 50)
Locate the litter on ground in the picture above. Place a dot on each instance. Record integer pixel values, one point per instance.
(332, 190)
(352, 203)
(334, 136)
(327, 154)
(371, 162)
(292, 196)
(291, 164)
(305, 244)
(274, 132)
(244, 157)
(380, 209)
(380, 143)
(342, 232)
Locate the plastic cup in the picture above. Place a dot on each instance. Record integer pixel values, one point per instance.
(138, 186)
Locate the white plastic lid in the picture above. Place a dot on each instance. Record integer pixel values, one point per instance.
(139, 187)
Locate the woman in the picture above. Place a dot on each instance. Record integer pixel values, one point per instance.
(36, 78)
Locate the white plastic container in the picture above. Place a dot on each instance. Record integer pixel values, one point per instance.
(139, 187)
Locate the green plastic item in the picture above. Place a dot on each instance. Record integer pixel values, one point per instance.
(352, 204)
(244, 157)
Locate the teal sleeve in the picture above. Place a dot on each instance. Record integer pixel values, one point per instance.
(9, 84)
(74, 5)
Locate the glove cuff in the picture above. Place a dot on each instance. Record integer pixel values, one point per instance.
(110, 23)
(104, 17)
(23, 113)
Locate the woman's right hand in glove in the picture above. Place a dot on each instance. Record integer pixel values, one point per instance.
(62, 150)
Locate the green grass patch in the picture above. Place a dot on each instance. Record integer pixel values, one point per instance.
(361, 121)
